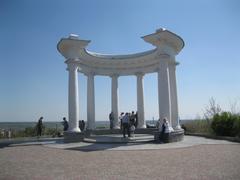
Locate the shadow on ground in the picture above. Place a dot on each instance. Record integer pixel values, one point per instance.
(27, 142)
(102, 146)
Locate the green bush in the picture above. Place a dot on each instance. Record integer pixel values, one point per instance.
(226, 124)
(52, 132)
(30, 132)
(236, 127)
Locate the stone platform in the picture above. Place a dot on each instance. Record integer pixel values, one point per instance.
(109, 136)
(115, 136)
(73, 137)
(119, 131)
(118, 138)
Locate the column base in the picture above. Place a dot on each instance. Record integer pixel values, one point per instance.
(73, 136)
(116, 127)
(90, 125)
(177, 135)
(88, 132)
(74, 130)
(142, 126)
(178, 127)
(171, 129)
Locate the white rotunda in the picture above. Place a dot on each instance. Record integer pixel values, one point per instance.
(160, 60)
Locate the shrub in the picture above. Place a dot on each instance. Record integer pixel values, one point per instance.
(52, 132)
(236, 127)
(30, 132)
(226, 124)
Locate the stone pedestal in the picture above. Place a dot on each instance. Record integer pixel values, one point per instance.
(175, 136)
(70, 137)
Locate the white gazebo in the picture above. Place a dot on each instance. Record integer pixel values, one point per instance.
(160, 60)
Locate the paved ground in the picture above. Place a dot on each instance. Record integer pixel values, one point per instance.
(138, 143)
(205, 160)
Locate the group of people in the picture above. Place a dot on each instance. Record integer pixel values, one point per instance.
(164, 129)
(39, 126)
(128, 123)
(132, 116)
(65, 124)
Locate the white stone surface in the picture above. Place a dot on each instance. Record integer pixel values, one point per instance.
(90, 102)
(173, 95)
(158, 60)
(73, 102)
(164, 99)
(140, 101)
(115, 101)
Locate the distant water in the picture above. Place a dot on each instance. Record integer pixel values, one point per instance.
(58, 125)
(23, 125)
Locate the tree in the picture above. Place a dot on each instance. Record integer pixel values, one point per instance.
(211, 109)
(234, 106)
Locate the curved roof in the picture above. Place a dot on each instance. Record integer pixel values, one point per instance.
(118, 57)
(167, 46)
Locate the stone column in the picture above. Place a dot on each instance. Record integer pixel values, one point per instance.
(73, 101)
(173, 90)
(140, 101)
(115, 101)
(90, 102)
(164, 97)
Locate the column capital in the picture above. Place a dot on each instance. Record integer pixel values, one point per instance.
(72, 60)
(139, 74)
(163, 63)
(72, 66)
(114, 75)
(173, 63)
(90, 73)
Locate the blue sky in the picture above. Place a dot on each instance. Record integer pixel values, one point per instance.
(33, 75)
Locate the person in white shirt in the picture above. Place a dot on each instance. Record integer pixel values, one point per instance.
(166, 130)
(120, 119)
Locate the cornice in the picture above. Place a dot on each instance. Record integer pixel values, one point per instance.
(166, 42)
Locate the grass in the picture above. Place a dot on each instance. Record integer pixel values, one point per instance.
(197, 126)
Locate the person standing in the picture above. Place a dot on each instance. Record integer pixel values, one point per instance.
(111, 118)
(83, 125)
(39, 127)
(132, 124)
(9, 133)
(136, 119)
(166, 130)
(65, 124)
(159, 125)
(132, 119)
(125, 122)
(120, 119)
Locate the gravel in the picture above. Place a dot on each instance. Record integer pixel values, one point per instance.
(196, 162)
